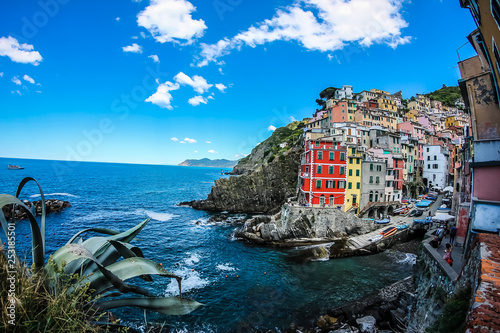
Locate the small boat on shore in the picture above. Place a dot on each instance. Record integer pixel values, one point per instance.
(384, 221)
(14, 167)
(389, 232)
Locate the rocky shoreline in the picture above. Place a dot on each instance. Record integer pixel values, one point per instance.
(51, 206)
(383, 311)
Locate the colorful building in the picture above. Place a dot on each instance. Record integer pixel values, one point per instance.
(323, 174)
(353, 190)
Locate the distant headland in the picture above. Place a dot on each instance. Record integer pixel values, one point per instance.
(206, 162)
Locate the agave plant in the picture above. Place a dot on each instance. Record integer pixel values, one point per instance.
(96, 261)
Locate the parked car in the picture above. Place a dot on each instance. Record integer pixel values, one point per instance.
(416, 212)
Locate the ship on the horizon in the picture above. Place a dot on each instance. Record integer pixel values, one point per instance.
(14, 167)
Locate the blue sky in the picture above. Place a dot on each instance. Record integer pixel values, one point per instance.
(161, 81)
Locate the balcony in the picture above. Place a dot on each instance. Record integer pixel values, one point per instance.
(304, 174)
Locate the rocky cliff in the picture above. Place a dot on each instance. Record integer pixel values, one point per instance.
(297, 224)
(263, 180)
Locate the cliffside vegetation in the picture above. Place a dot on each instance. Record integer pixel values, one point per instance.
(265, 178)
(446, 95)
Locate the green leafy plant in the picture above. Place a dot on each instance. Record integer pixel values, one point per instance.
(98, 266)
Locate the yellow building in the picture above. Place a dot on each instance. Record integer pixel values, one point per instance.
(389, 122)
(387, 104)
(353, 186)
(457, 121)
(412, 115)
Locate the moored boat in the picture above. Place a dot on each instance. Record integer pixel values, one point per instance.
(384, 221)
(389, 232)
(14, 167)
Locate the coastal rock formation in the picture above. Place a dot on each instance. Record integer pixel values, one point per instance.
(51, 205)
(304, 224)
(264, 179)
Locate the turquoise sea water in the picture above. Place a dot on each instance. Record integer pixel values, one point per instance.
(121, 195)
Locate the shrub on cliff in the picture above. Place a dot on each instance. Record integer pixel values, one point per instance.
(453, 315)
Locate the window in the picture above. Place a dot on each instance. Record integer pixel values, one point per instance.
(371, 179)
(330, 184)
(320, 155)
(358, 186)
(353, 151)
(350, 172)
(371, 196)
(371, 167)
(317, 143)
(342, 156)
(349, 185)
(379, 168)
(331, 170)
(428, 158)
(332, 156)
(435, 157)
(319, 169)
(318, 184)
(428, 166)
(357, 173)
(377, 180)
(350, 160)
(435, 166)
(427, 149)
(341, 184)
(358, 161)
(376, 196)
(342, 170)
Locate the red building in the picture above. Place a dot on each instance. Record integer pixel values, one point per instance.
(398, 172)
(323, 173)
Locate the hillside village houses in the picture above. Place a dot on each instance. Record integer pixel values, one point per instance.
(372, 149)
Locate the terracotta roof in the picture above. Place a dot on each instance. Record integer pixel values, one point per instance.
(485, 313)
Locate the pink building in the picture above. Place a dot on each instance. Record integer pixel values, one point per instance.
(412, 128)
(426, 123)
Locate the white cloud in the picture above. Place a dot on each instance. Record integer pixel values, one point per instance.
(16, 91)
(134, 37)
(220, 86)
(183, 142)
(196, 151)
(171, 21)
(292, 118)
(134, 48)
(143, 34)
(245, 154)
(198, 83)
(117, 19)
(211, 151)
(330, 57)
(221, 72)
(154, 57)
(1, 74)
(188, 140)
(16, 80)
(174, 139)
(162, 96)
(321, 25)
(38, 91)
(271, 128)
(23, 53)
(29, 79)
(197, 100)
(208, 142)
